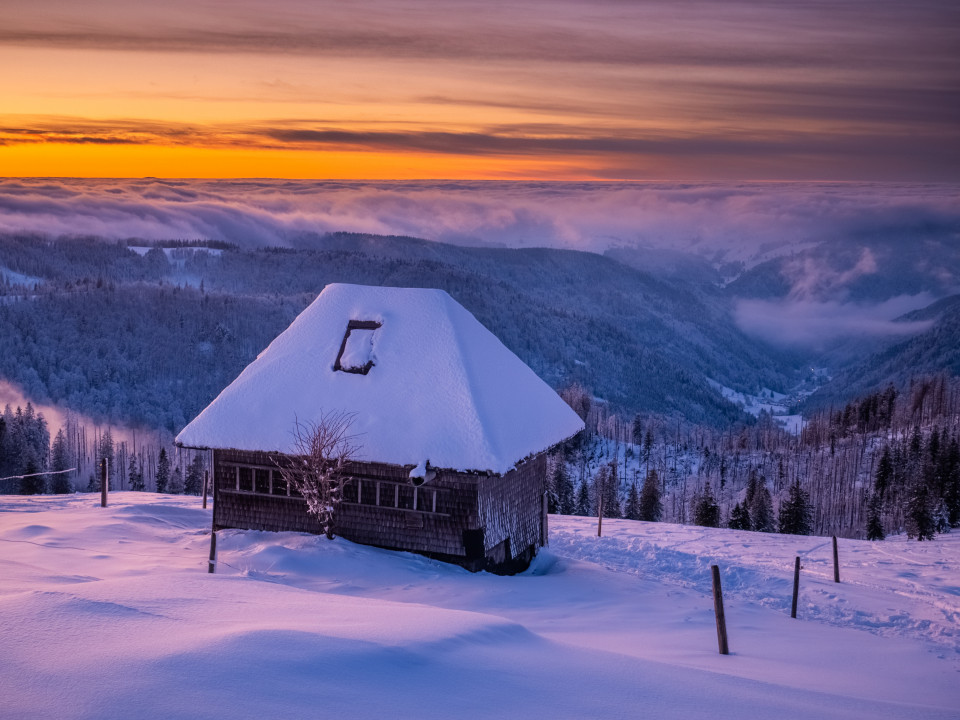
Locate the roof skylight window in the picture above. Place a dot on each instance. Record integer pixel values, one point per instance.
(356, 351)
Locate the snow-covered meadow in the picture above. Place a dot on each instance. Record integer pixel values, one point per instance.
(109, 613)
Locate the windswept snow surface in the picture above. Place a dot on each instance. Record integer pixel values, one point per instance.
(109, 613)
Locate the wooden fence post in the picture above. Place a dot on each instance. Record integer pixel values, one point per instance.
(718, 611)
(103, 482)
(836, 561)
(600, 515)
(796, 587)
(213, 552)
(206, 479)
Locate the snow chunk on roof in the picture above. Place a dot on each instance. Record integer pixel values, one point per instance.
(441, 387)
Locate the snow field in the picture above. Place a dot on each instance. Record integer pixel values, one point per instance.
(109, 613)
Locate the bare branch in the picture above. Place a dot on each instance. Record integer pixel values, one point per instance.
(322, 450)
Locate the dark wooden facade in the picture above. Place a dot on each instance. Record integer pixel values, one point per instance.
(480, 521)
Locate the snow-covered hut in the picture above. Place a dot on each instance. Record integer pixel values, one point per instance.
(453, 428)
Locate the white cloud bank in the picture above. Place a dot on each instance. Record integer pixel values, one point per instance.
(741, 221)
(815, 324)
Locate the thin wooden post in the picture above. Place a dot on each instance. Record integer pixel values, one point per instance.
(600, 515)
(206, 479)
(796, 587)
(103, 482)
(718, 611)
(836, 561)
(213, 552)
(544, 528)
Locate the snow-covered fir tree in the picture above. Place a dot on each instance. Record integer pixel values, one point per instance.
(651, 507)
(175, 487)
(135, 474)
(919, 517)
(795, 512)
(32, 483)
(193, 482)
(163, 471)
(704, 508)
(759, 504)
(632, 509)
(611, 492)
(59, 462)
(582, 506)
(941, 518)
(739, 518)
(875, 518)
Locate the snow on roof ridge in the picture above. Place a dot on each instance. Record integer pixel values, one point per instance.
(444, 389)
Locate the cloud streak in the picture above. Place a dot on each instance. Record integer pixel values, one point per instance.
(624, 154)
(686, 34)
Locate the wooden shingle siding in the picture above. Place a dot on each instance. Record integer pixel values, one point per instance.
(510, 506)
(505, 510)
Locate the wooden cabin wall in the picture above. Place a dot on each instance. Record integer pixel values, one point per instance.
(511, 506)
(424, 532)
(250, 511)
(439, 533)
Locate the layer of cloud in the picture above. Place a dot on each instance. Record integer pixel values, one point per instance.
(58, 417)
(812, 277)
(816, 325)
(720, 222)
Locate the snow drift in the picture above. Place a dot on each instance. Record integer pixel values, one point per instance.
(109, 613)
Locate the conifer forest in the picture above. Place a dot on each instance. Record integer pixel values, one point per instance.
(885, 463)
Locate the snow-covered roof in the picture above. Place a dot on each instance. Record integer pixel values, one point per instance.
(442, 388)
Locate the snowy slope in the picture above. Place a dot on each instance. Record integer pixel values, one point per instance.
(443, 389)
(109, 614)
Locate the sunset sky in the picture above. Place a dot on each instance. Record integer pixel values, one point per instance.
(546, 90)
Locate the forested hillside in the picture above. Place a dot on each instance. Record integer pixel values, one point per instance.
(887, 462)
(936, 350)
(138, 354)
(107, 331)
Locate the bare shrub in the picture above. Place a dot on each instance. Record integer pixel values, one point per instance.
(316, 467)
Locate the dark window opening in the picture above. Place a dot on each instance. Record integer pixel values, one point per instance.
(368, 492)
(406, 497)
(262, 478)
(349, 491)
(356, 348)
(246, 479)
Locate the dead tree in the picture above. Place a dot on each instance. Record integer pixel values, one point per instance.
(321, 452)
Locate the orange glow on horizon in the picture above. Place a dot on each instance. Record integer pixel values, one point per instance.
(131, 161)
